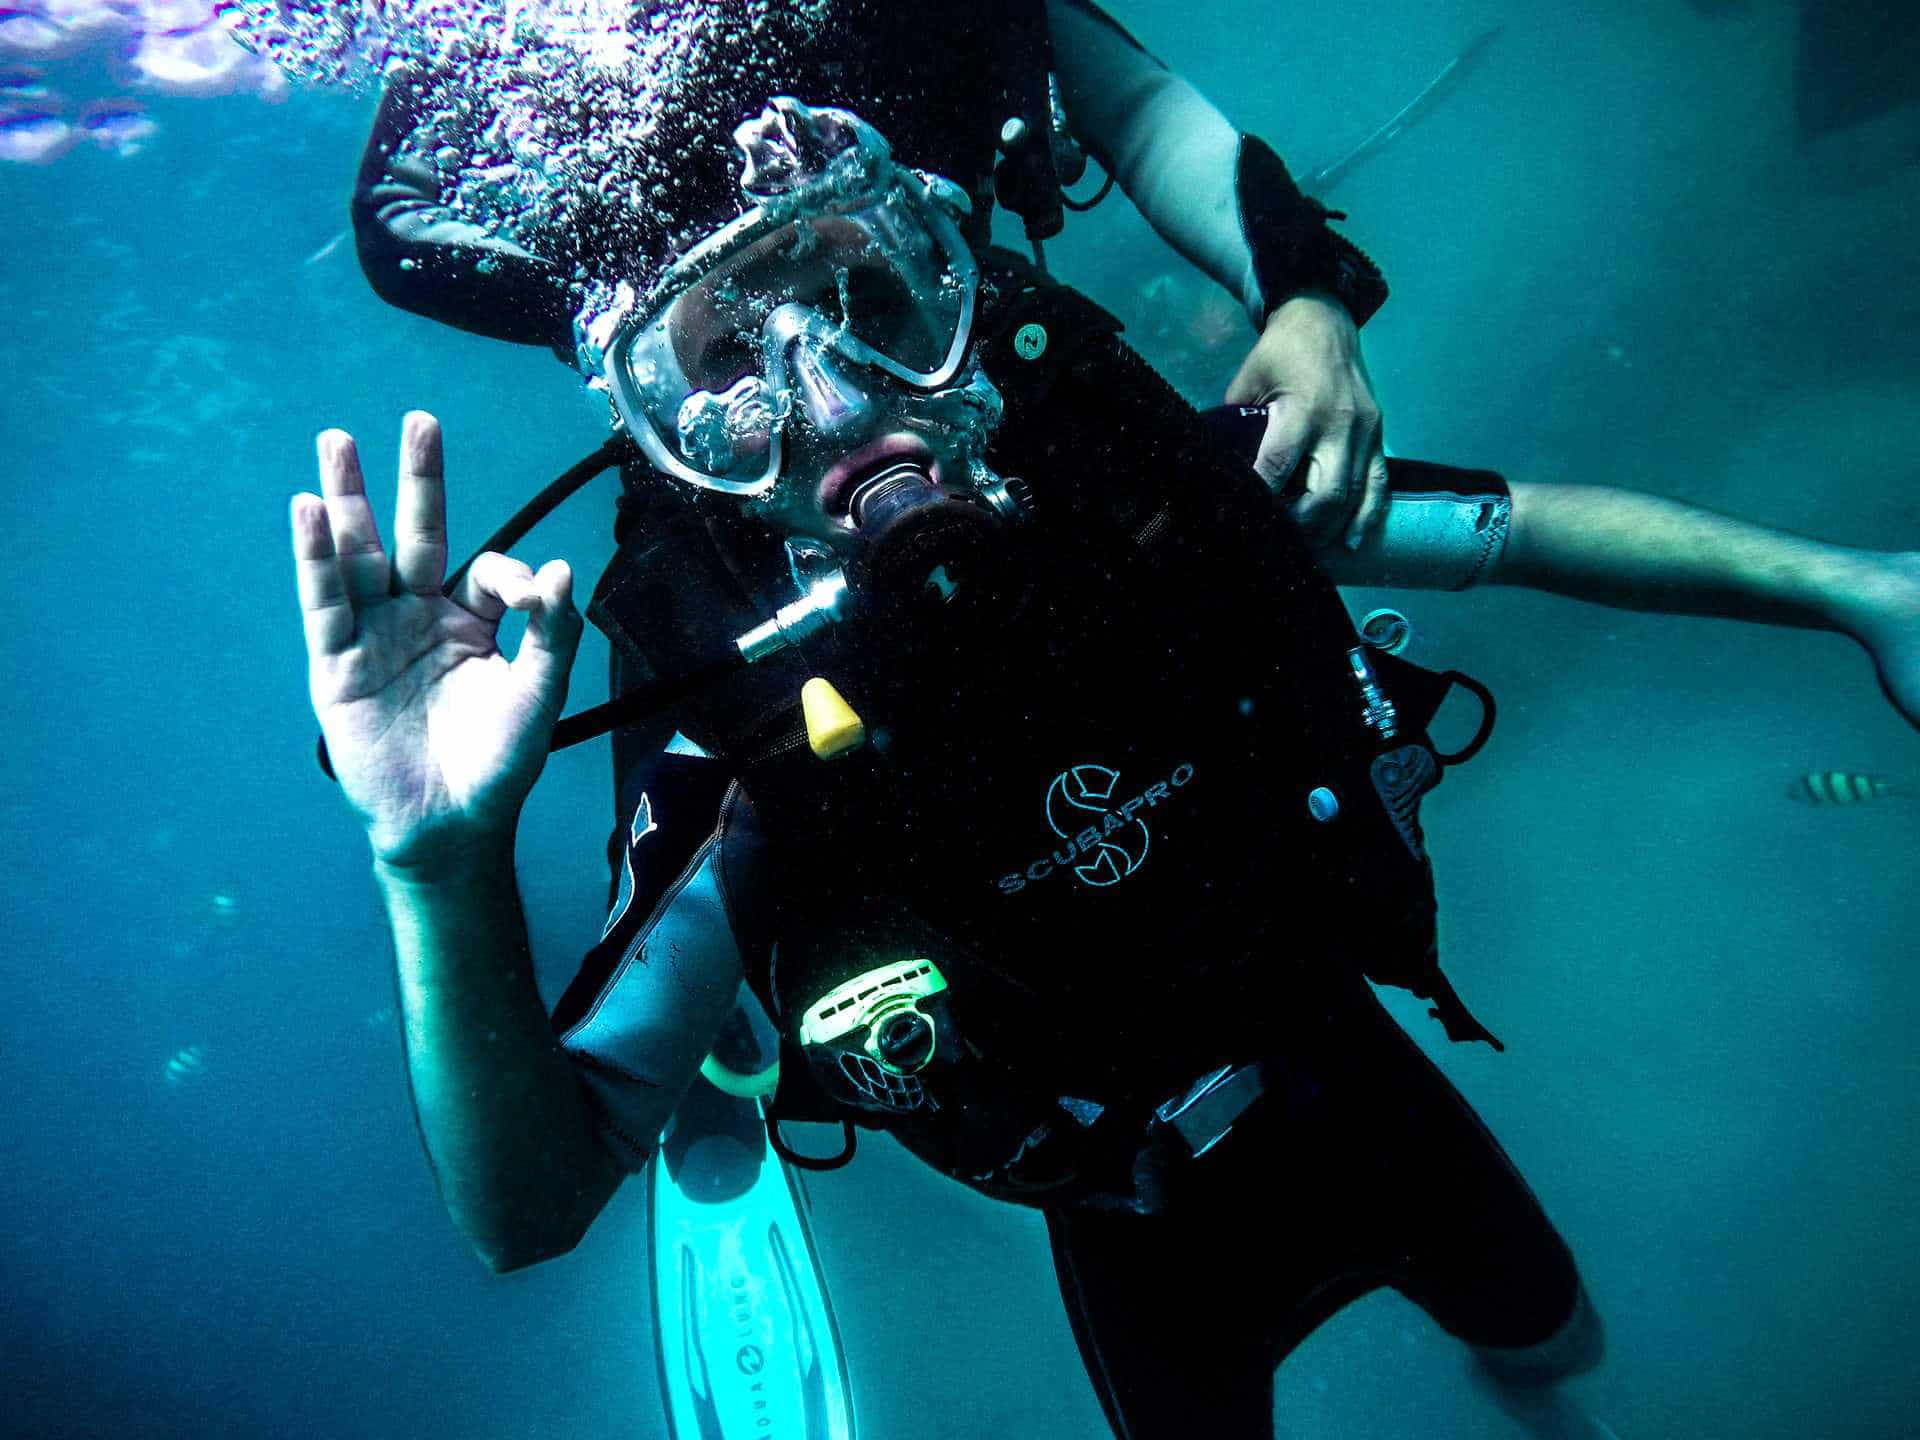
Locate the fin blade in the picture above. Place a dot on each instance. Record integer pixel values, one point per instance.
(744, 1329)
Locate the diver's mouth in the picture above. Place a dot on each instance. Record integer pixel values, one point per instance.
(870, 464)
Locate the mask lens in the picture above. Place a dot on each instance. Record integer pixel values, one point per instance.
(896, 293)
(888, 285)
(722, 435)
(878, 276)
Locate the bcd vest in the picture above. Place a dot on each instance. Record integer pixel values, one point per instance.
(1129, 814)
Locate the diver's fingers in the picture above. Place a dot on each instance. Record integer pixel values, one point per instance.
(420, 514)
(493, 583)
(1327, 506)
(326, 611)
(356, 538)
(1374, 496)
(553, 635)
(1282, 458)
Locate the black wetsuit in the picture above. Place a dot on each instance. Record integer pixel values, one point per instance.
(1361, 1167)
(1210, 921)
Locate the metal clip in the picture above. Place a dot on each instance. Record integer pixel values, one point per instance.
(1379, 713)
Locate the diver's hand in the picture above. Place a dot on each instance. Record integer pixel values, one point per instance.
(435, 736)
(1881, 609)
(1322, 420)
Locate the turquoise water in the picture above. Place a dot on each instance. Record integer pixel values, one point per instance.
(1610, 264)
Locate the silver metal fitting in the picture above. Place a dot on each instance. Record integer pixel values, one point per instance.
(1011, 499)
(824, 603)
(1386, 629)
(1379, 713)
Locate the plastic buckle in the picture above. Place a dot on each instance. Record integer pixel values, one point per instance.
(1204, 1116)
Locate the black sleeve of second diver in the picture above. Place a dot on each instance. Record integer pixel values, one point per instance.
(1294, 248)
(423, 264)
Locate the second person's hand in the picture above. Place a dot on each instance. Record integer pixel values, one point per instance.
(1880, 608)
(1323, 424)
(435, 736)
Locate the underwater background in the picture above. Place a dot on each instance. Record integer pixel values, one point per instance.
(1612, 261)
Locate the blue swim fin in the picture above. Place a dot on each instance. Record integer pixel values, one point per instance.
(744, 1332)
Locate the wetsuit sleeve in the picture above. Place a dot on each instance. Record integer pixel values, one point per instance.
(420, 256)
(1445, 527)
(1222, 199)
(643, 1009)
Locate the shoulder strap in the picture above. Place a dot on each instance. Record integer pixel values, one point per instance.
(1025, 181)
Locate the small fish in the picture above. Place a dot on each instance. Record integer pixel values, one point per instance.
(1840, 787)
(185, 1065)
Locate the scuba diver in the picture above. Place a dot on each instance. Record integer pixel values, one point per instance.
(1032, 777)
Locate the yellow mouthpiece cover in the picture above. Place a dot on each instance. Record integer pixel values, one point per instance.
(832, 728)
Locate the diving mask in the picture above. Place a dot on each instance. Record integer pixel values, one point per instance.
(817, 341)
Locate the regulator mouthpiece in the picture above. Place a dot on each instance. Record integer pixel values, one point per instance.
(924, 551)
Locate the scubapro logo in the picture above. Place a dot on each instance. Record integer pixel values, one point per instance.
(1117, 846)
(1105, 840)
